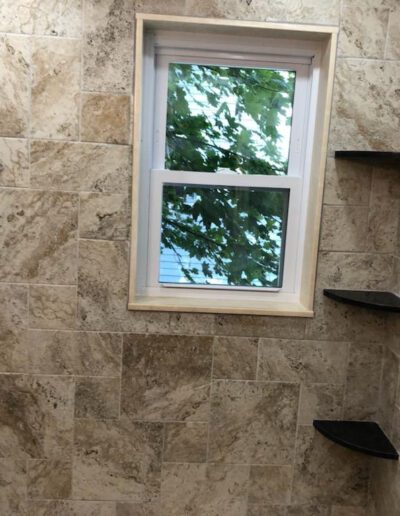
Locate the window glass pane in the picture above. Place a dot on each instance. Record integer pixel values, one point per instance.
(228, 118)
(223, 235)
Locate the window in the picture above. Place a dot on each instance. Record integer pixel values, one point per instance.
(225, 131)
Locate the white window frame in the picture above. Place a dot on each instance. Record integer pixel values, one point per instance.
(159, 47)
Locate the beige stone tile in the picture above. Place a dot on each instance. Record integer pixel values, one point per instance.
(235, 358)
(49, 479)
(302, 361)
(191, 324)
(363, 377)
(55, 88)
(52, 307)
(360, 83)
(97, 398)
(393, 37)
(163, 7)
(55, 18)
(344, 228)
(105, 118)
(71, 508)
(383, 222)
(363, 29)
(253, 422)
(80, 166)
(108, 45)
(13, 484)
(117, 460)
(308, 510)
(204, 490)
(257, 326)
(320, 401)
(270, 484)
(327, 473)
(98, 354)
(384, 488)
(36, 416)
(256, 509)
(348, 510)
(338, 321)
(14, 85)
(395, 433)
(104, 216)
(347, 182)
(385, 186)
(14, 162)
(13, 318)
(354, 270)
(166, 377)
(185, 442)
(388, 391)
(138, 509)
(38, 237)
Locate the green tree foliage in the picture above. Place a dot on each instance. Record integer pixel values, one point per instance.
(226, 118)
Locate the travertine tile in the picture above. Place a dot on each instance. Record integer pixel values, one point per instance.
(383, 222)
(14, 162)
(320, 401)
(98, 354)
(308, 510)
(80, 166)
(348, 510)
(13, 318)
(344, 228)
(104, 216)
(256, 509)
(52, 307)
(204, 490)
(166, 377)
(14, 85)
(138, 509)
(253, 422)
(71, 508)
(235, 358)
(363, 377)
(328, 473)
(38, 237)
(97, 398)
(117, 460)
(185, 442)
(36, 416)
(49, 479)
(302, 361)
(55, 18)
(354, 270)
(338, 321)
(257, 326)
(347, 182)
(395, 432)
(393, 37)
(363, 29)
(55, 88)
(360, 83)
(191, 324)
(108, 45)
(384, 488)
(388, 392)
(103, 291)
(13, 484)
(270, 484)
(162, 6)
(105, 118)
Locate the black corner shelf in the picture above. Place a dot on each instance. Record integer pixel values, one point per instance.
(372, 158)
(362, 436)
(375, 299)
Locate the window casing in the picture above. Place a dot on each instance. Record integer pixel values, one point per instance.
(161, 49)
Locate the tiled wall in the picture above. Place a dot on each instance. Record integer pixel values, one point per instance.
(114, 413)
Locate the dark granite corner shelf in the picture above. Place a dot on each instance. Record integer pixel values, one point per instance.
(375, 299)
(362, 436)
(373, 158)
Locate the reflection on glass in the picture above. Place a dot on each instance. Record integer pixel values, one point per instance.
(228, 236)
(223, 118)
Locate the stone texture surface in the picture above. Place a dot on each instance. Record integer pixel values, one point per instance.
(55, 88)
(52, 307)
(226, 395)
(38, 232)
(105, 118)
(166, 378)
(80, 166)
(104, 216)
(107, 45)
(14, 162)
(15, 61)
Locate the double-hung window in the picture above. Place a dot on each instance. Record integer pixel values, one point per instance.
(224, 133)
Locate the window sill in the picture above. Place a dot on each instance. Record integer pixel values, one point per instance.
(217, 306)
